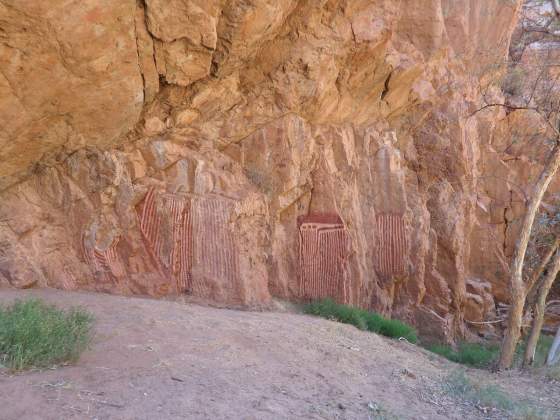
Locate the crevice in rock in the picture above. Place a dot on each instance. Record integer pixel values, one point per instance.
(353, 34)
(506, 222)
(220, 42)
(513, 158)
(504, 246)
(139, 5)
(386, 86)
(142, 5)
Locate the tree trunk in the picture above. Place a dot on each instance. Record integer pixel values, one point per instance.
(540, 307)
(554, 353)
(534, 282)
(518, 292)
(531, 285)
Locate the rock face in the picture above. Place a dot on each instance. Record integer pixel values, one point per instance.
(238, 150)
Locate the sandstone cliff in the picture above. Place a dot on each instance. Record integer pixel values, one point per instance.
(239, 150)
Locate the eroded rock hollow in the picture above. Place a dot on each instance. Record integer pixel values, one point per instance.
(235, 151)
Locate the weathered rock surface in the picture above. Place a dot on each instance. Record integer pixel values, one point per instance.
(243, 149)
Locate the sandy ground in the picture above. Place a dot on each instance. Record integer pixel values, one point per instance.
(167, 360)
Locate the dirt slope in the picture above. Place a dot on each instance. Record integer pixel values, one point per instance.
(166, 360)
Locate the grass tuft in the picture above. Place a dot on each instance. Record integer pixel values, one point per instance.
(485, 355)
(362, 319)
(541, 352)
(472, 354)
(34, 334)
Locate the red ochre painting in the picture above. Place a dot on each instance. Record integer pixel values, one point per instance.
(215, 257)
(191, 242)
(105, 263)
(391, 245)
(323, 256)
(165, 222)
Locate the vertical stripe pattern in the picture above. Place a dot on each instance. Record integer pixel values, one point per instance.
(323, 255)
(191, 242)
(215, 259)
(391, 249)
(106, 264)
(166, 226)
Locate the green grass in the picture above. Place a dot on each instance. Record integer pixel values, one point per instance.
(484, 355)
(472, 354)
(34, 334)
(460, 386)
(543, 346)
(361, 319)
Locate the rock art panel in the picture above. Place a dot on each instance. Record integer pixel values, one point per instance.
(323, 256)
(303, 107)
(215, 257)
(191, 242)
(165, 222)
(391, 247)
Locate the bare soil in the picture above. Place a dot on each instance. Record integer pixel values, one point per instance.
(157, 359)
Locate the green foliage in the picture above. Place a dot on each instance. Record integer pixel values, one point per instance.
(34, 334)
(361, 319)
(396, 329)
(327, 308)
(543, 347)
(484, 355)
(541, 352)
(472, 354)
(460, 386)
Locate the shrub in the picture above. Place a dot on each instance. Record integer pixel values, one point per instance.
(328, 309)
(396, 329)
(362, 319)
(34, 334)
(484, 355)
(443, 350)
(472, 354)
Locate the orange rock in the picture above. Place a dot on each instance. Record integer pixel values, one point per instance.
(241, 116)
